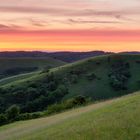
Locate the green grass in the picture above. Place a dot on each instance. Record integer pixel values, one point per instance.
(17, 78)
(116, 119)
(97, 89)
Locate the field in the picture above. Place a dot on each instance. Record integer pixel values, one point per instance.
(116, 119)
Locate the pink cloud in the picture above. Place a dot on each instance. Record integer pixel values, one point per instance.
(74, 35)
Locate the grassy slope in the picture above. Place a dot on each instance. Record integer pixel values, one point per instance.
(101, 88)
(17, 78)
(116, 119)
(8, 63)
(97, 88)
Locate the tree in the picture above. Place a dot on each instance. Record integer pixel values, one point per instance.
(13, 112)
(79, 100)
(3, 119)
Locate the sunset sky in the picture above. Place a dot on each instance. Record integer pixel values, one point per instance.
(70, 25)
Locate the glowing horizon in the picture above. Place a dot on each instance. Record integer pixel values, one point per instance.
(76, 25)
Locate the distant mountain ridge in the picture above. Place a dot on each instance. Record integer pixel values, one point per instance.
(63, 56)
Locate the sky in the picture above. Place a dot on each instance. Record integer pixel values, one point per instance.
(70, 25)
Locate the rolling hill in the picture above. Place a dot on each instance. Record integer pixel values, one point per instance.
(116, 119)
(99, 78)
(63, 56)
(14, 66)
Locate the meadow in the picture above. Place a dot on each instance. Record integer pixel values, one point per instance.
(116, 119)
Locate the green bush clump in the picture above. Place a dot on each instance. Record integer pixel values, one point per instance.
(3, 119)
(46, 69)
(74, 79)
(68, 104)
(28, 116)
(12, 112)
(34, 96)
(91, 76)
(119, 75)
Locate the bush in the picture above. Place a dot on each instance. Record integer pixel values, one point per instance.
(3, 119)
(55, 108)
(24, 116)
(74, 78)
(28, 116)
(46, 69)
(79, 100)
(77, 71)
(68, 104)
(36, 115)
(91, 76)
(12, 112)
(119, 75)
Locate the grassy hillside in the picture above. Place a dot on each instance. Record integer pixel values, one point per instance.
(14, 66)
(17, 78)
(116, 119)
(99, 78)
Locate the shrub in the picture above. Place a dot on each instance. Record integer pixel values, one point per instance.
(46, 69)
(138, 61)
(27, 116)
(91, 76)
(3, 119)
(68, 104)
(55, 108)
(79, 100)
(77, 71)
(98, 63)
(51, 86)
(12, 112)
(36, 115)
(74, 78)
(24, 116)
(119, 75)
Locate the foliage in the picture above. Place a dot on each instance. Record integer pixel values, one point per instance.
(119, 75)
(3, 119)
(34, 96)
(46, 69)
(91, 76)
(12, 112)
(28, 116)
(74, 79)
(68, 104)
